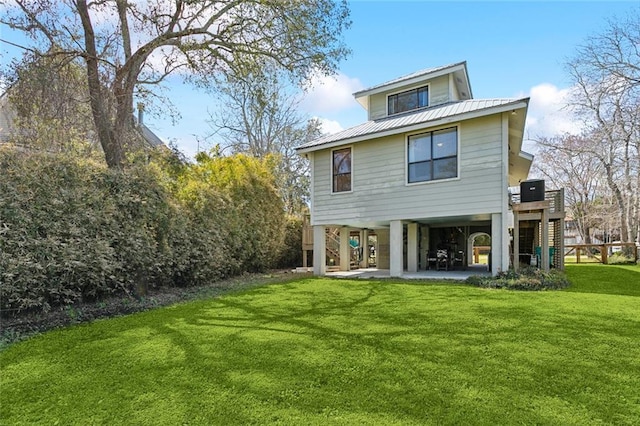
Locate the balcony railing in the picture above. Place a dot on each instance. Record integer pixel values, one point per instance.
(555, 198)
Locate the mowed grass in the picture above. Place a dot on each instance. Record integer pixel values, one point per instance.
(322, 351)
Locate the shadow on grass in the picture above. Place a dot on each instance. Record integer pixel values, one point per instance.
(320, 351)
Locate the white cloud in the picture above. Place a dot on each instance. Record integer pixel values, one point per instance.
(329, 127)
(548, 114)
(331, 94)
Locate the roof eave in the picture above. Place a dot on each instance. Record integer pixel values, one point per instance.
(399, 83)
(518, 104)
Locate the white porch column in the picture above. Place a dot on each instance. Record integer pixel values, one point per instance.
(345, 249)
(395, 248)
(499, 244)
(412, 247)
(319, 250)
(424, 244)
(516, 240)
(545, 240)
(364, 243)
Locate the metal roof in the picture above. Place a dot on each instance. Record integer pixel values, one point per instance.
(151, 138)
(398, 123)
(416, 74)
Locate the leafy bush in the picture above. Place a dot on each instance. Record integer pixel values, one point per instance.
(72, 230)
(620, 258)
(291, 255)
(248, 205)
(526, 279)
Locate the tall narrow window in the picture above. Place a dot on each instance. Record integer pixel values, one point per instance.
(433, 155)
(342, 170)
(409, 100)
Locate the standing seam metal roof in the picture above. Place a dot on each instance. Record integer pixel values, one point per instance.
(417, 117)
(409, 76)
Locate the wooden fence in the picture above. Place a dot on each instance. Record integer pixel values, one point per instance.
(478, 250)
(596, 252)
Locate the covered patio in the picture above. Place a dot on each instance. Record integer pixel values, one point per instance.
(457, 275)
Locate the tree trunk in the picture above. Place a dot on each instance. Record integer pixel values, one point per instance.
(622, 211)
(113, 150)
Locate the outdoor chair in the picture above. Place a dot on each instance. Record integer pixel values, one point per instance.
(442, 260)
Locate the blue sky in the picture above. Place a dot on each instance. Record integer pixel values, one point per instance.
(512, 49)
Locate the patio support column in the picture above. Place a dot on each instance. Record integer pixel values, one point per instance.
(560, 242)
(412, 247)
(364, 243)
(516, 240)
(345, 249)
(424, 246)
(496, 243)
(319, 250)
(544, 256)
(395, 248)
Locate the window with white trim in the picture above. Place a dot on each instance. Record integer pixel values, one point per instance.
(433, 155)
(409, 100)
(341, 170)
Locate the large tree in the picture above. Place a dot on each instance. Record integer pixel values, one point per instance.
(606, 75)
(259, 115)
(129, 45)
(51, 103)
(563, 161)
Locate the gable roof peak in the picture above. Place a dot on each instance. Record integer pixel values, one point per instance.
(427, 72)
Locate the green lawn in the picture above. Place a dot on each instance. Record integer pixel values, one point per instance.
(322, 351)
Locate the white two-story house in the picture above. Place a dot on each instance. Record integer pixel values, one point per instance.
(429, 170)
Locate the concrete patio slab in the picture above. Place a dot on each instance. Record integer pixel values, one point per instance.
(459, 275)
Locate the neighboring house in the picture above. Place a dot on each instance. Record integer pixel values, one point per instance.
(427, 173)
(150, 138)
(7, 118)
(8, 131)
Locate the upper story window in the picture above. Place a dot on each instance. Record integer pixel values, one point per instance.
(433, 155)
(341, 166)
(409, 100)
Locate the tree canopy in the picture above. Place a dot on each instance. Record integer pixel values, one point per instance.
(130, 47)
(260, 117)
(606, 75)
(601, 166)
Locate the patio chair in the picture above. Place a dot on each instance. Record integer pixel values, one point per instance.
(442, 260)
(432, 260)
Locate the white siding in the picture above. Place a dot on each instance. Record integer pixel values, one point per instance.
(380, 192)
(438, 94)
(377, 106)
(439, 90)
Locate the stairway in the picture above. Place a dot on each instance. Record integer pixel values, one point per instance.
(333, 249)
(527, 237)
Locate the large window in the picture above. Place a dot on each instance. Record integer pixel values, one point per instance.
(433, 155)
(409, 100)
(342, 170)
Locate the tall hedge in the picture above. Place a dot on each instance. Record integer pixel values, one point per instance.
(248, 206)
(73, 230)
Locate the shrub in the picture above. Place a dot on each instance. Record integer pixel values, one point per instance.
(527, 279)
(291, 254)
(72, 230)
(620, 258)
(253, 211)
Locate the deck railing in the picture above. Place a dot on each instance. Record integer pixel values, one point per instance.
(555, 198)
